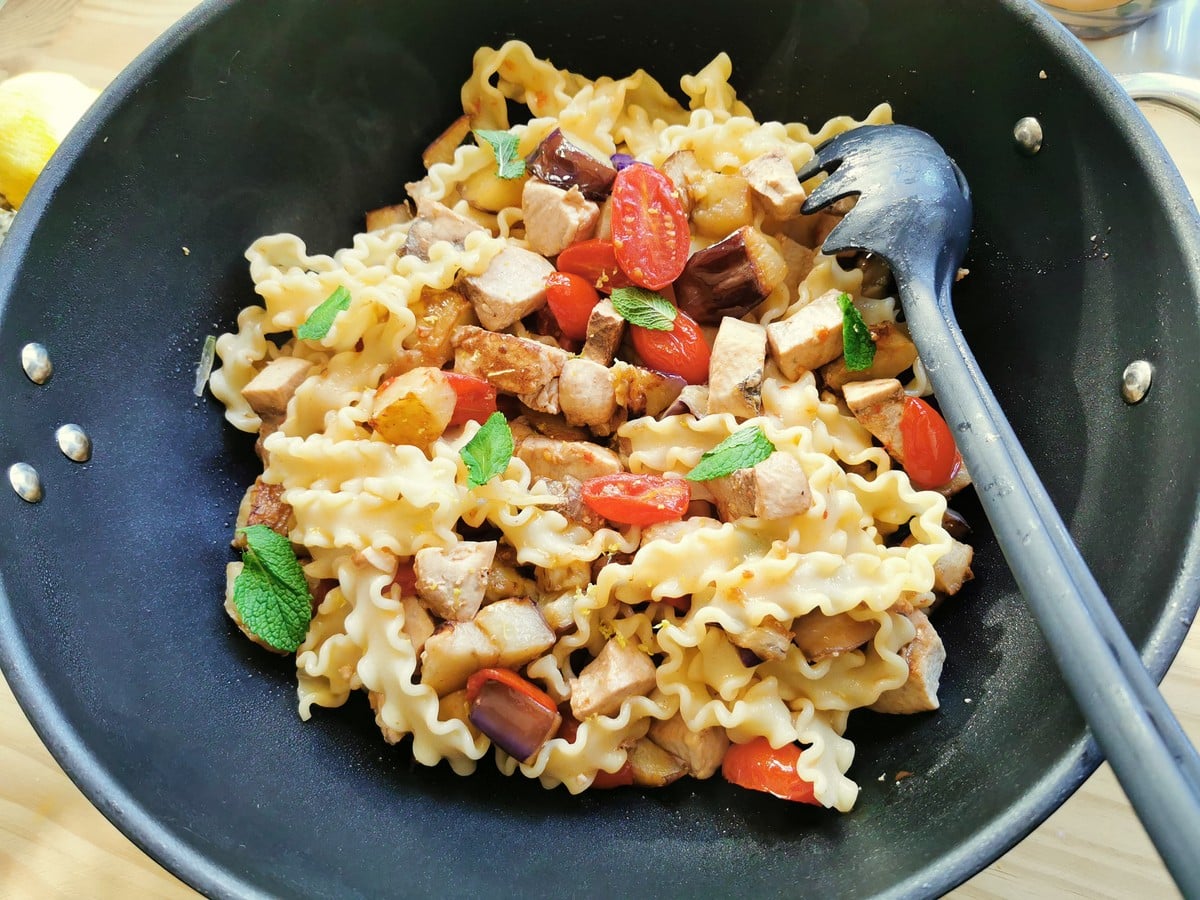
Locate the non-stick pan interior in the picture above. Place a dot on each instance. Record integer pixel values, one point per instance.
(297, 115)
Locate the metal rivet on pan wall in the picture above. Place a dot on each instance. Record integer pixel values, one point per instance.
(74, 443)
(1028, 135)
(36, 363)
(25, 481)
(1135, 380)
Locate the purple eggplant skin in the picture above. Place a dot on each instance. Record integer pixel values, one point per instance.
(517, 724)
(558, 162)
(622, 160)
(729, 278)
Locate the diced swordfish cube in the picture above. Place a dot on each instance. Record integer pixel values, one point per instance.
(510, 288)
(809, 338)
(773, 489)
(551, 458)
(269, 391)
(925, 655)
(605, 329)
(620, 671)
(774, 184)
(587, 393)
(556, 218)
(452, 581)
(735, 370)
(513, 365)
(437, 222)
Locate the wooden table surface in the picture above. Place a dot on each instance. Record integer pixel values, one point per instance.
(54, 844)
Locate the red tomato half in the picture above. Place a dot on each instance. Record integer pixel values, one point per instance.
(476, 398)
(649, 227)
(759, 767)
(930, 457)
(681, 351)
(595, 260)
(571, 298)
(630, 499)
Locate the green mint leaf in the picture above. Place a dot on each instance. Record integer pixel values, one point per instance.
(644, 308)
(856, 337)
(271, 594)
(744, 448)
(487, 454)
(504, 147)
(318, 324)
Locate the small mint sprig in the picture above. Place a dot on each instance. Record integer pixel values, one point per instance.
(857, 345)
(271, 594)
(644, 308)
(504, 147)
(317, 325)
(744, 448)
(488, 453)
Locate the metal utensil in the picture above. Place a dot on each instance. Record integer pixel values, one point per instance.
(914, 210)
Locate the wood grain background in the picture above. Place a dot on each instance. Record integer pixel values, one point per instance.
(54, 845)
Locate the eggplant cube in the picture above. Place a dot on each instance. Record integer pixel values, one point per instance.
(454, 654)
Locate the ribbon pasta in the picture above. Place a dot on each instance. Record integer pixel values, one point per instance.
(360, 505)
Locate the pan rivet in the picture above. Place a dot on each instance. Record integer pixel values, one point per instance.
(36, 363)
(74, 443)
(25, 481)
(1135, 380)
(1028, 135)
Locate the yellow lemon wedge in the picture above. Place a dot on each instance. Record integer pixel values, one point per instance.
(37, 109)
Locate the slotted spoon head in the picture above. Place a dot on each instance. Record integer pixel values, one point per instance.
(914, 206)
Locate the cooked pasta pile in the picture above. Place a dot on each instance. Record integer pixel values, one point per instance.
(753, 626)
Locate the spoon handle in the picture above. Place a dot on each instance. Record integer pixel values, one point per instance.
(1153, 759)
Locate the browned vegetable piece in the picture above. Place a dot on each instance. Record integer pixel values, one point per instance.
(619, 672)
(645, 392)
(513, 365)
(605, 329)
(437, 222)
(653, 766)
(454, 653)
(721, 203)
(514, 720)
(729, 278)
(262, 505)
(774, 183)
(389, 215)
(682, 167)
(775, 488)
(894, 352)
(414, 408)
(437, 313)
(735, 369)
(818, 635)
(441, 148)
(564, 164)
(955, 524)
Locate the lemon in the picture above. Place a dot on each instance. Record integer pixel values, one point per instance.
(37, 109)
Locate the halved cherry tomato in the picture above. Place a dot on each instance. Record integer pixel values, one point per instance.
(758, 766)
(681, 351)
(630, 499)
(476, 398)
(405, 578)
(930, 457)
(571, 298)
(649, 227)
(595, 260)
(620, 778)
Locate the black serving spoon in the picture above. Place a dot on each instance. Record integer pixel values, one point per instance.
(914, 210)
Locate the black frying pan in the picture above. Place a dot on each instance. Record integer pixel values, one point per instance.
(268, 115)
